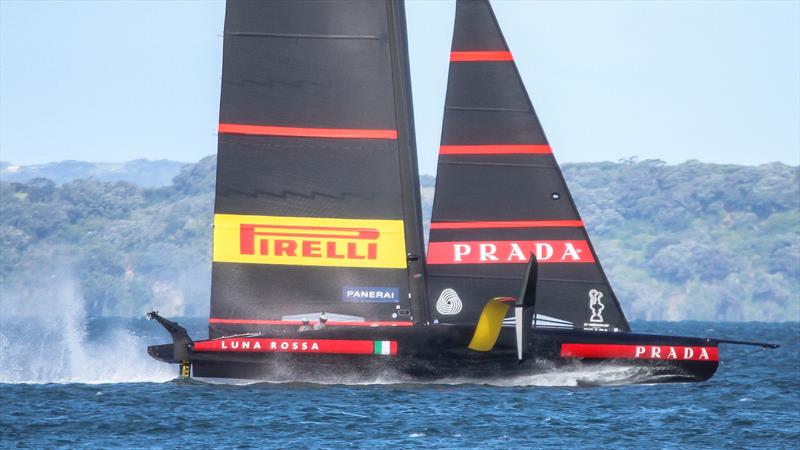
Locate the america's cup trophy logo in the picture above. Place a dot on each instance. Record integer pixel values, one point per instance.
(596, 305)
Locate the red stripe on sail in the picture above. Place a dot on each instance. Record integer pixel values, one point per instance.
(337, 133)
(659, 352)
(270, 345)
(312, 322)
(482, 55)
(506, 224)
(495, 150)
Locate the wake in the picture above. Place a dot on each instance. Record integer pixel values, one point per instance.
(48, 341)
(574, 376)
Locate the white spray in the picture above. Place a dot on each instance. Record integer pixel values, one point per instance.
(43, 339)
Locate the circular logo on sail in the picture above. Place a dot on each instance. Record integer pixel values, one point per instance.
(449, 304)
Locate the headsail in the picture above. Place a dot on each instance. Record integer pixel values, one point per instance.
(317, 201)
(500, 196)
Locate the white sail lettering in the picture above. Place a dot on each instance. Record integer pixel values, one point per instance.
(571, 251)
(284, 345)
(516, 253)
(655, 352)
(223, 346)
(544, 251)
(314, 346)
(703, 353)
(488, 251)
(273, 345)
(245, 345)
(639, 351)
(672, 354)
(257, 346)
(688, 353)
(305, 345)
(461, 250)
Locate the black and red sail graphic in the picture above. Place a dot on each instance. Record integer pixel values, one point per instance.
(317, 200)
(500, 196)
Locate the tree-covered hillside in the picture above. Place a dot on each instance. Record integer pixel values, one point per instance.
(687, 241)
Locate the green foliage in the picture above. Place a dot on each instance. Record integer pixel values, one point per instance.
(707, 241)
(686, 241)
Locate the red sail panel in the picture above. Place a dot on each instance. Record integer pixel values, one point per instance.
(482, 55)
(494, 149)
(337, 133)
(500, 195)
(507, 224)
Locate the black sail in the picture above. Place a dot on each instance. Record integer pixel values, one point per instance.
(317, 200)
(500, 196)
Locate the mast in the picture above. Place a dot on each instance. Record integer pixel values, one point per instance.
(500, 196)
(316, 208)
(409, 170)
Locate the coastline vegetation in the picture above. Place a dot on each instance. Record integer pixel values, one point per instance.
(692, 241)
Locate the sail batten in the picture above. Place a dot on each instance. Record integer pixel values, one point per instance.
(303, 36)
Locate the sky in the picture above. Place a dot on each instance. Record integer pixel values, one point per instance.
(716, 81)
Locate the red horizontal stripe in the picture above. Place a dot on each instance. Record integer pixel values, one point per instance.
(657, 352)
(312, 322)
(482, 55)
(495, 149)
(338, 133)
(271, 345)
(506, 224)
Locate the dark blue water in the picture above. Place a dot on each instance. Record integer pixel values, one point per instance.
(752, 402)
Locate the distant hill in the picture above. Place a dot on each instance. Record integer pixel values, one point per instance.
(142, 172)
(687, 241)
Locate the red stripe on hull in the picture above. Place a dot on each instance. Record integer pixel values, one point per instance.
(506, 224)
(312, 322)
(495, 150)
(655, 352)
(482, 55)
(336, 133)
(264, 345)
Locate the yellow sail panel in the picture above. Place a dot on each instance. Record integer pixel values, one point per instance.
(309, 241)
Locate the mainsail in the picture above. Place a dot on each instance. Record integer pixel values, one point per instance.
(500, 197)
(317, 194)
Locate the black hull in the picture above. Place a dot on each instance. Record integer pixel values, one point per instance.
(435, 353)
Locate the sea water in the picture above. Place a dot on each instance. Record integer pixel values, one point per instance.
(69, 382)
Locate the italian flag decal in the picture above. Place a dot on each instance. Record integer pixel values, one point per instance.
(385, 348)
